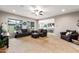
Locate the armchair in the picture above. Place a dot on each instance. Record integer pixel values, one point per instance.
(4, 41)
(43, 33)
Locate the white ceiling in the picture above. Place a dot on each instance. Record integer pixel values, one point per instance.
(49, 10)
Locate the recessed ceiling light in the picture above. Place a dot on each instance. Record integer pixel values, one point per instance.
(63, 10)
(13, 10)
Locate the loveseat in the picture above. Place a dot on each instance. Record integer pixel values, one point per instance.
(69, 37)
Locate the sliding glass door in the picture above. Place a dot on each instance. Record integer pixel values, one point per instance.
(14, 25)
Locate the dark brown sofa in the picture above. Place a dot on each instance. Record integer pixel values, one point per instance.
(24, 32)
(73, 35)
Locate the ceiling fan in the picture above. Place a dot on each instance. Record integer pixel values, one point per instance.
(37, 11)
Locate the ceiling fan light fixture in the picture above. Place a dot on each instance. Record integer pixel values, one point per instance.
(37, 10)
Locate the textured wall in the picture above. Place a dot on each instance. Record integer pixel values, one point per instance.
(66, 21)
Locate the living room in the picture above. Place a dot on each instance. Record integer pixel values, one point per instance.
(39, 28)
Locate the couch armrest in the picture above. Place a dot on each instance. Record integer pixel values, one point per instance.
(63, 33)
